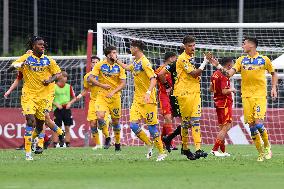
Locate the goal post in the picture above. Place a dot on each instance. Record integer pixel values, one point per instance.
(223, 39)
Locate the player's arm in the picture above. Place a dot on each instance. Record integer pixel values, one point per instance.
(14, 85)
(274, 79)
(162, 77)
(211, 88)
(118, 88)
(72, 94)
(79, 96)
(55, 72)
(94, 80)
(214, 62)
(127, 67)
(18, 63)
(153, 79)
(228, 91)
(197, 72)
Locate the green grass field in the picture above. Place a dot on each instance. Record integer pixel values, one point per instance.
(84, 168)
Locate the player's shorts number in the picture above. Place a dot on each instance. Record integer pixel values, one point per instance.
(149, 116)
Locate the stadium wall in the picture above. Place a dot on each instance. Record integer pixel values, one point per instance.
(13, 123)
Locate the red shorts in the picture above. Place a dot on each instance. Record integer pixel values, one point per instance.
(224, 114)
(165, 104)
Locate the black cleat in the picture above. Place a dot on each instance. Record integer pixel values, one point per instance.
(46, 144)
(189, 155)
(181, 150)
(174, 148)
(38, 150)
(107, 143)
(167, 143)
(200, 153)
(61, 139)
(117, 147)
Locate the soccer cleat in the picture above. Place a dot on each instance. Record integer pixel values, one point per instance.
(189, 155)
(161, 157)
(46, 143)
(150, 152)
(107, 143)
(167, 143)
(174, 148)
(97, 147)
(267, 153)
(29, 157)
(200, 153)
(260, 157)
(217, 154)
(117, 147)
(38, 150)
(226, 154)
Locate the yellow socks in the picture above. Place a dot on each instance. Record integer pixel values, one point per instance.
(159, 144)
(184, 137)
(116, 130)
(142, 136)
(196, 134)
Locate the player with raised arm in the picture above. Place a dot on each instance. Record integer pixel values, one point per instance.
(187, 92)
(253, 69)
(144, 101)
(220, 86)
(110, 77)
(92, 116)
(39, 73)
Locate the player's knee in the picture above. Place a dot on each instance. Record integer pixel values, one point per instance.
(101, 123)
(28, 130)
(31, 120)
(253, 132)
(153, 131)
(135, 128)
(115, 121)
(41, 135)
(116, 127)
(260, 127)
(185, 124)
(194, 122)
(94, 130)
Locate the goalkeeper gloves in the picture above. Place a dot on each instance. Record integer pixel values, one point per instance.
(203, 64)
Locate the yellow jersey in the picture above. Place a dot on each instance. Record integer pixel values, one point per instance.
(142, 72)
(253, 70)
(185, 83)
(110, 74)
(35, 70)
(88, 85)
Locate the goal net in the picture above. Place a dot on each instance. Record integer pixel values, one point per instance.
(224, 40)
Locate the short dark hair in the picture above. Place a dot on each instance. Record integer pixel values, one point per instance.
(95, 57)
(64, 74)
(188, 39)
(226, 60)
(181, 49)
(169, 55)
(138, 43)
(32, 40)
(108, 50)
(253, 40)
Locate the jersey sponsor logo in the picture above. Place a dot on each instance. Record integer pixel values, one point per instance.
(108, 72)
(137, 67)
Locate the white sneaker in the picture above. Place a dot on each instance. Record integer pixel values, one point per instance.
(97, 147)
(161, 157)
(226, 154)
(217, 154)
(29, 157)
(150, 152)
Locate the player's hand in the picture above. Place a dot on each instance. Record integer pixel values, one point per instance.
(59, 106)
(14, 66)
(68, 106)
(147, 98)
(233, 90)
(209, 57)
(273, 93)
(46, 82)
(106, 86)
(109, 95)
(7, 94)
(29, 52)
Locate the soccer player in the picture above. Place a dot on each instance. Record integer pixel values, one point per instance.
(220, 86)
(164, 89)
(63, 94)
(253, 69)
(187, 92)
(144, 101)
(39, 73)
(110, 77)
(92, 116)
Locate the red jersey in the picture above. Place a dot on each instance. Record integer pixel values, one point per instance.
(161, 87)
(220, 82)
